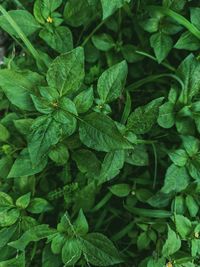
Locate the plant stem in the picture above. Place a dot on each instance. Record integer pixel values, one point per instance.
(93, 32)
(155, 165)
(20, 33)
(152, 78)
(143, 53)
(19, 4)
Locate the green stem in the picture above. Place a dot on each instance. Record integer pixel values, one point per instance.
(102, 202)
(152, 78)
(155, 166)
(143, 53)
(123, 232)
(20, 33)
(93, 32)
(19, 4)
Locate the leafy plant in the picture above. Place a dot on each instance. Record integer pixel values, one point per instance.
(99, 133)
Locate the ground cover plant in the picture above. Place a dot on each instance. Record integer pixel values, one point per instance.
(99, 133)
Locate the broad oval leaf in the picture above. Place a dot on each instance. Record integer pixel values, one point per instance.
(66, 73)
(143, 118)
(18, 87)
(109, 7)
(112, 81)
(172, 244)
(99, 132)
(99, 250)
(176, 179)
(45, 133)
(71, 252)
(23, 166)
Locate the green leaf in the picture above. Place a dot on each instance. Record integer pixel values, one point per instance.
(42, 105)
(48, 258)
(45, 133)
(50, 94)
(9, 217)
(188, 72)
(66, 72)
(194, 247)
(138, 156)
(156, 262)
(18, 261)
(85, 198)
(151, 25)
(23, 125)
(18, 86)
(120, 190)
(34, 234)
(44, 8)
(60, 39)
(191, 145)
(23, 166)
(6, 234)
(99, 132)
(130, 54)
(188, 42)
(176, 179)
(192, 205)
(23, 18)
(4, 133)
(93, 164)
(84, 100)
(71, 252)
(143, 241)
(99, 250)
(66, 112)
(81, 226)
(80, 12)
(194, 16)
(5, 166)
(159, 200)
(111, 82)
(111, 166)
(103, 42)
(175, 4)
(183, 225)
(179, 157)
(110, 7)
(172, 244)
(57, 243)
(5, 200)
(23, 201)
(39, 205)
(162, 44)
(166, 118)
(178, 204)
(143, 118)
(59, 154)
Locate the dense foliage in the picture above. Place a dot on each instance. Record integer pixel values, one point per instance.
(99, 133)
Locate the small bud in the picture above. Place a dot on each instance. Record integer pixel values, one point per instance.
(196, 234)
(169, 264)
(55, 104)
(49, 20)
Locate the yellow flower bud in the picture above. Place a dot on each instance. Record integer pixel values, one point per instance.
(49, 20)
(55, 104)
(196, 234)
(169, 264)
